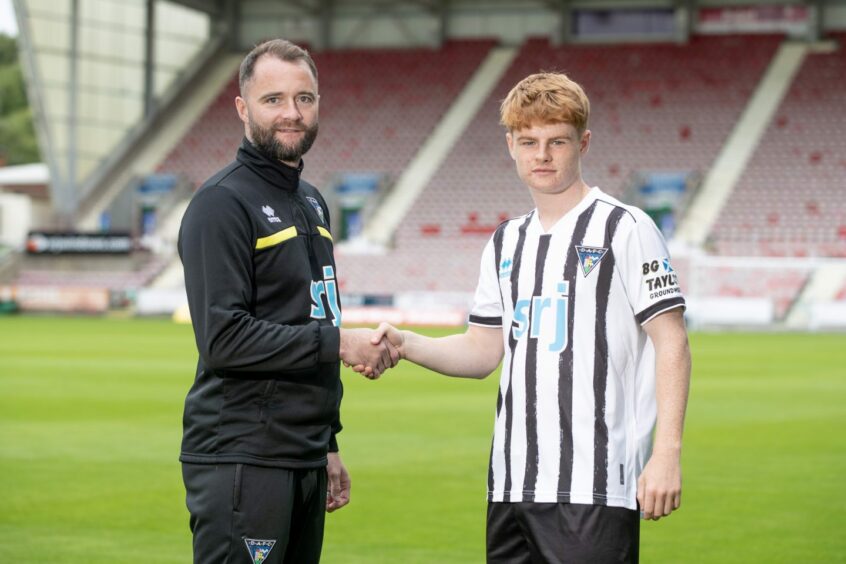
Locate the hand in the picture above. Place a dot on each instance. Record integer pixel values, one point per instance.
(391, 334)
(371, 359)
(337, 484)
(659, 486)
(392, 338)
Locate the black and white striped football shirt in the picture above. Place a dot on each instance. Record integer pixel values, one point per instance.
(576, 405)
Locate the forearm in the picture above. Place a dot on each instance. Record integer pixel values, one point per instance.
(467, 355)
(217, 248)
(235, 341)
(672, 384)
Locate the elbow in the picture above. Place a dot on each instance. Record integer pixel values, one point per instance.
(485, 371)
(213, 360)
(217, 355)
(220, 346)
(492, 362)
(488, 371)
(487, 365)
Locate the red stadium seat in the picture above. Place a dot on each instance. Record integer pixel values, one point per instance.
(803, 186)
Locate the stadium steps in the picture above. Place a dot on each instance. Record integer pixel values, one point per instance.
(10, 263)
(120, 273)
(740, 146)
(824, 286)
(438, 146)
(171, 275)
(160, 135)
(790, 200)
(654, 107)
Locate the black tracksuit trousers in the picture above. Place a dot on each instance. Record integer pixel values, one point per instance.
(249, 514)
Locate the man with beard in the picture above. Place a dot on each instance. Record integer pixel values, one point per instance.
(259, 452)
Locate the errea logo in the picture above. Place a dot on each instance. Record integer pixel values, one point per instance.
(271, 214)
(505, 267)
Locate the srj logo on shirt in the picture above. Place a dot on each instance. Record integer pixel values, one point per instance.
(548, 315)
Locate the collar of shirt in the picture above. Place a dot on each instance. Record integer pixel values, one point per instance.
(568, 218)
(275, 172)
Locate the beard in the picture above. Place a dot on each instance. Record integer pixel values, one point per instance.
(264, 139)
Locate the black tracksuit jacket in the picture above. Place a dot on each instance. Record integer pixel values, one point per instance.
(259, 273)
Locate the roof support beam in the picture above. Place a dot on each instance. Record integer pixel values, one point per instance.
(66, 207)
(149, 58)
(211, 8)
(326, 13)
(442, 11)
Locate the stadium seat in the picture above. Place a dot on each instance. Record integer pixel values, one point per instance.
(654, 107)
(790, 200)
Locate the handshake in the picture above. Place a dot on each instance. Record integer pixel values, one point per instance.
(371, 351)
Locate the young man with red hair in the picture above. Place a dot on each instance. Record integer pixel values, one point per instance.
(579, 301)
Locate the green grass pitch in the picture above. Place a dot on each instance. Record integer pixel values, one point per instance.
(90, 424)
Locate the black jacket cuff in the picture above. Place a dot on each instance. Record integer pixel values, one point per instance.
(330, 344)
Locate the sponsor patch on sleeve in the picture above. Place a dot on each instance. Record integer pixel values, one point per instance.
(660, 279)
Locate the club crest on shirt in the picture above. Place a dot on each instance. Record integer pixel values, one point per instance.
(316, 205)
(589, 257)
(259, 549)
(271, 214)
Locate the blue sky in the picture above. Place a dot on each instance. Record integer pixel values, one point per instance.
(8, 24)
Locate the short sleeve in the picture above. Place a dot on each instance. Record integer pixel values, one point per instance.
(652, 285)
(487, 303)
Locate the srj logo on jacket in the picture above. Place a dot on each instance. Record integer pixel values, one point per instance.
(327, 287)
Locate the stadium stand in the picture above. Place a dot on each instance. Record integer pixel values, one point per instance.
(790, 200)
(657, 107)
(117, 275)
(209, 143)
(373, 117)
(782, 286)
(654, 107)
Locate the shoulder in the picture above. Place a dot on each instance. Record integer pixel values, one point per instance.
(631, 219)
(631, 214)
(226, 175)
(514, 223)
(309, 191)
(213, 201)
(209, 194)
(309, 188)
(229, 183)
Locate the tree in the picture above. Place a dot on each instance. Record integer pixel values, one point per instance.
(17, 135)
(8, 50)
(17, 138)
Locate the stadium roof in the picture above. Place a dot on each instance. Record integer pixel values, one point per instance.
(99, 70)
